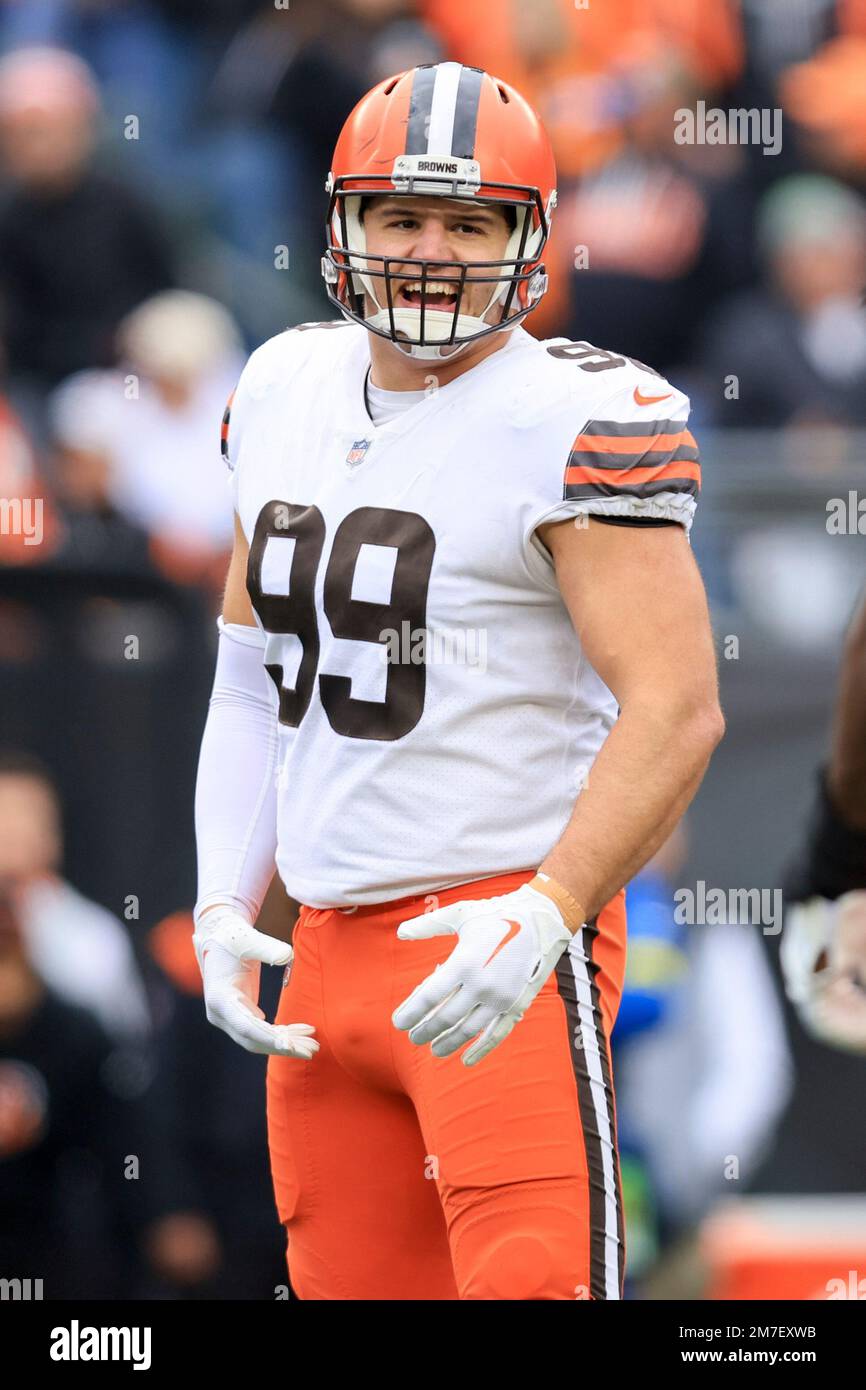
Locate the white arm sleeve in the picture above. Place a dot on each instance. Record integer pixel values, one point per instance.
(236, 793)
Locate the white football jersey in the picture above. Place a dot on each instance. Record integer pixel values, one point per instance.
(438, 717)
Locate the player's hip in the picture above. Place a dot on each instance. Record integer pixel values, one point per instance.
(351, 972)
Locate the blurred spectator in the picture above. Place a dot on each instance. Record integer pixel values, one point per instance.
(68, 1119)
(308, 74)
(808, 57)
(825, 96)
(77, 249)
(17, 462)
(577, 64)
(705, 1091)
(79, 950)
(660, 228)
(699, 1005)
(797, 348)
(91, 1183)
(143, 441)
(826, 869)
(29, 529)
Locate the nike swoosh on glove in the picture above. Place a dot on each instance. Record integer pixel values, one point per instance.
(831, 1001)
(230, 952)
(506, 949)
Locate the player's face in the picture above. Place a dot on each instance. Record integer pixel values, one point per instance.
(434, 229)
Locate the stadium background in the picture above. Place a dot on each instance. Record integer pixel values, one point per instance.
(162, 207)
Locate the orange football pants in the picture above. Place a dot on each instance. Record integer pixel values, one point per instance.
(400, 1175)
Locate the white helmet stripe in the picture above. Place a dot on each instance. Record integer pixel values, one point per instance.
(444, 108)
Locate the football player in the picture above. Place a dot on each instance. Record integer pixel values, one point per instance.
(418, 483)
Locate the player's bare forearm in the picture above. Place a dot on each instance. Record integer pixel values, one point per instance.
(639, 787)
(847, 771)
(637, 602)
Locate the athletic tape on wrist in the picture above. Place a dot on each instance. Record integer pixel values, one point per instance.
(572, 913)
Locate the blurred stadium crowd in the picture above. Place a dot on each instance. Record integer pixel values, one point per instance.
(162, 167)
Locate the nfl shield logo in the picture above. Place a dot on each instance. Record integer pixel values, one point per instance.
(357, 452)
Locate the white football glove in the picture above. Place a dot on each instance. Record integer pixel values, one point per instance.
(831, 1001)
(229, 952)
(506, 949)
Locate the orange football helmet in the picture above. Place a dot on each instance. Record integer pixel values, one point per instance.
(453, 132)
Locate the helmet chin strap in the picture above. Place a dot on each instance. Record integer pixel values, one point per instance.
(437, 324)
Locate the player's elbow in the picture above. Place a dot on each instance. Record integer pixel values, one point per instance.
(688, 712)
(713, 724)
(702, 721)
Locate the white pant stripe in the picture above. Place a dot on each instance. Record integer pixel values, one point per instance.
(591, 1048)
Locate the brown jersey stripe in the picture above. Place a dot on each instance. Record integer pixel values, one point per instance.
(633, 427)
(633, 444)
(610, 487)
(653, 458)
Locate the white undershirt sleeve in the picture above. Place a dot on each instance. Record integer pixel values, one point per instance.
(236, 792)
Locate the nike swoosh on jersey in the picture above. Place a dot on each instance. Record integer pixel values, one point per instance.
(640, 399)
(513, 929)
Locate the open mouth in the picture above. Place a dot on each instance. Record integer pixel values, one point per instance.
(438, 294)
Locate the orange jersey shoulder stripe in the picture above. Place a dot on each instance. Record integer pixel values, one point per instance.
(580, 473)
